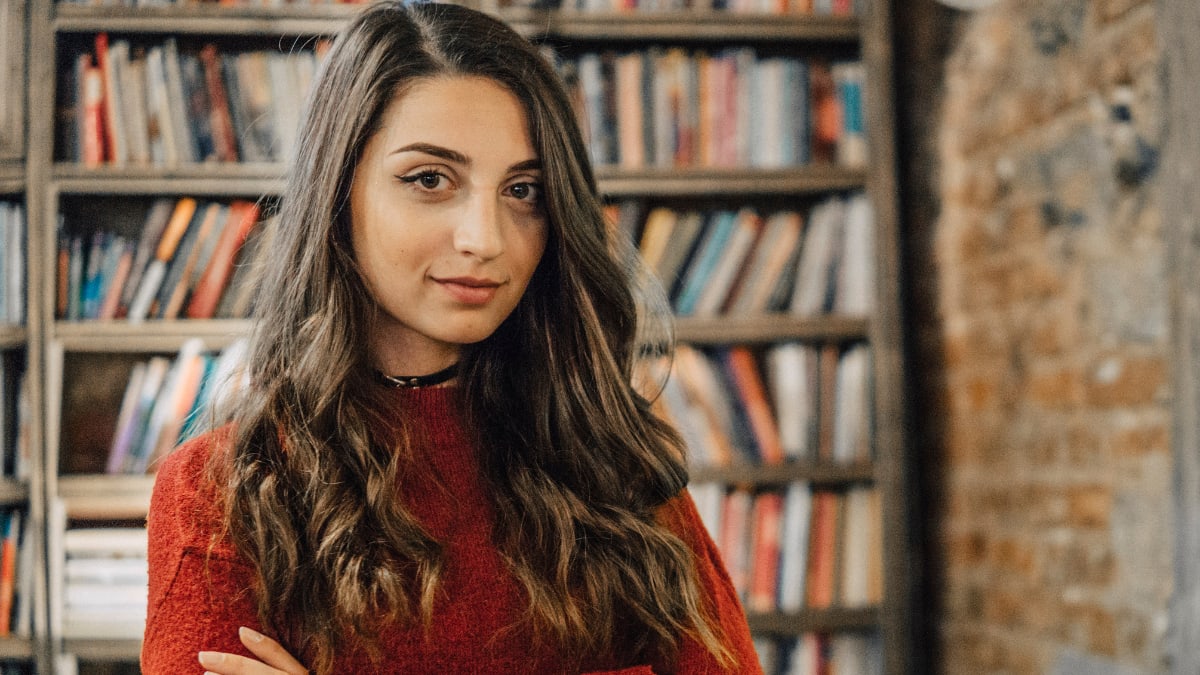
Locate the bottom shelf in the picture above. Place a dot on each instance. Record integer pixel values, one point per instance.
(833, 620)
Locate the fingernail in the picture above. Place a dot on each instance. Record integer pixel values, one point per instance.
(250, 634)
(210, 659)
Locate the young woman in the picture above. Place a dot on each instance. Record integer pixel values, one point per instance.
(440, 465)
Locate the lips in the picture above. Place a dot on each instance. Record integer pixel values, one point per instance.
(470, 290)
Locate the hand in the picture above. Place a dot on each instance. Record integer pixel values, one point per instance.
(274, 659)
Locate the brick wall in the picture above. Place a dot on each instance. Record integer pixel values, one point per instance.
(1054, 530)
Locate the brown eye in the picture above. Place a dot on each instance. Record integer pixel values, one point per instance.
(428, 180)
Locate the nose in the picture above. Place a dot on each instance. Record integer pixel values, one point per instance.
(480, 233)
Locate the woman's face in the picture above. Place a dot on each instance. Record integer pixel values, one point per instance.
(447, 220)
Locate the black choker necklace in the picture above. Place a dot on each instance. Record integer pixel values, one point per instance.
(418, 381)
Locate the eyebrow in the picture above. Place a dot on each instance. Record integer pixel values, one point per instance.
(459, 158)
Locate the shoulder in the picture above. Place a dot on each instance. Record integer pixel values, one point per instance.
(185, 505)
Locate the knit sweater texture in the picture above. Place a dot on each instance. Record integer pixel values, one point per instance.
(202, 590)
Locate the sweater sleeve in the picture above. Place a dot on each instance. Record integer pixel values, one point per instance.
(200, 592)
(725, 609)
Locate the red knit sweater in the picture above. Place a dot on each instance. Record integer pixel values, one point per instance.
(200, 592)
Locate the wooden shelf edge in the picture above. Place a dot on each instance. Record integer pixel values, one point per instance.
(112, 650)
(150, 336)
(299, 20)
(12, 178)
(822, 473)
(814, 620)
(768, 328)
(196, 179)
(701, 182)
(686, 26)
(101, 497)
(12, 337)
(12, 648)
(13, 492)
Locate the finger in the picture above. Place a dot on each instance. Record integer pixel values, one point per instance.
(270, 651)
(220, 663)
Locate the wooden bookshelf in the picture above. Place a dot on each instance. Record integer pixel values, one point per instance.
(104, 497)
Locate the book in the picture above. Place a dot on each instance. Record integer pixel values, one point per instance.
(122, 434)
(793, 556)
(131, 65)
(153, 225)
(116, 149)
(852, 406)
(185, 144)
(817, 266)
(91, 134)
(792, 381)
(766, 521)
(8, 569)
(179, 273)
(855, 292)
(822, 550)
(704, 260)
(747, 226)
(217, 273)
(221, 119)
(151, 280)
(751, 390)
(128, 437)
(779, 242)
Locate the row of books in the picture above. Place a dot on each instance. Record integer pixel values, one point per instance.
(182, 263)
(14, 418)
(155, 104)
(167, 401)
(780, 7)
(99, 581)
(12, 263)
(674, 107)
(797, 548)
(789, 402)
(743, 262)
(822, 654)
(16, 578)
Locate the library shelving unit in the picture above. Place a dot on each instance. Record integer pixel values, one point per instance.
(18, 341)
(81, 366)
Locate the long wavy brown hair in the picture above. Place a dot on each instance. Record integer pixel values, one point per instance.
(575, 459)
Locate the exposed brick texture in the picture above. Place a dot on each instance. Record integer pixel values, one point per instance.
(1049, 260)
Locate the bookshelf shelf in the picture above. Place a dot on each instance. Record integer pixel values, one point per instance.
(13, 648)
(835, 619)
(105, 497)
(742, 182)
(150, 336)
(196, 179)
(822, 473)
(768, 328)
(12, 177)
(204, 20)
(121, 651)
(683, 26)
(13, 492)
(12, 337)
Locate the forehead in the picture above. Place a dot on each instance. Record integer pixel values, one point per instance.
(457, 110)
